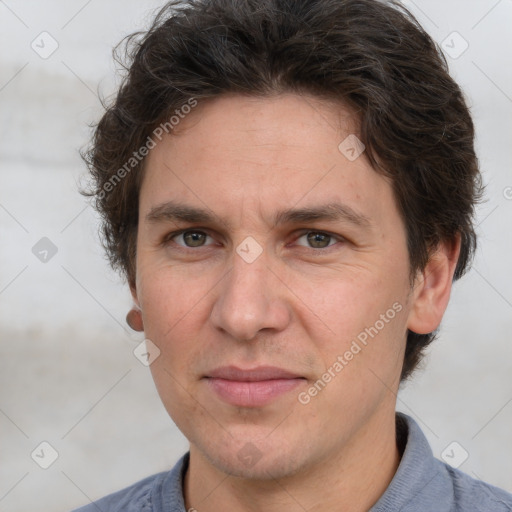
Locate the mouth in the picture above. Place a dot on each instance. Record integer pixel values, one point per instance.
(254, 387)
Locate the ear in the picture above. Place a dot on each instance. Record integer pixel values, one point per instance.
(133, 291)
(432, 288)
(134, 316)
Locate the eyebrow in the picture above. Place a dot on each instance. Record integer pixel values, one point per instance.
(178, 212)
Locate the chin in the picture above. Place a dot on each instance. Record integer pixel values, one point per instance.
(255, 460)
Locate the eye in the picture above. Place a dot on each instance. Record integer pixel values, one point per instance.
(318, 239)
(190, 238)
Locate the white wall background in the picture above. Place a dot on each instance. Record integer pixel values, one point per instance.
(68, 375)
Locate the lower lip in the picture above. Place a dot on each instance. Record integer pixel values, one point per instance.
(252, 394)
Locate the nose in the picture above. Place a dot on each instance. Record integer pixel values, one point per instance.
(251, 298)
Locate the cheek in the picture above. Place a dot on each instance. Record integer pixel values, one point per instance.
(176, 308)
(170, 297)
(173, 309)
(343, 301)
(172, 384)
(362, 316)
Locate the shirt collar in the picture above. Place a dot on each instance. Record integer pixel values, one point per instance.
(417, 469)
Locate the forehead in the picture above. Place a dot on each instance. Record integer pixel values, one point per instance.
(246, 155)
(278, 122)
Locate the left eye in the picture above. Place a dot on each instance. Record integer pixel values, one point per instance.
(318, 239)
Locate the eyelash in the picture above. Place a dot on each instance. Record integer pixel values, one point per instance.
(336, 238)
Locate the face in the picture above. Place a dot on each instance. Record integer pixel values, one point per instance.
(262, 244)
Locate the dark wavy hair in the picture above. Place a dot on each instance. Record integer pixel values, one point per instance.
(371, 56)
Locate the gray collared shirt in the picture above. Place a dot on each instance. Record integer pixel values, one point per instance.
(421, 484)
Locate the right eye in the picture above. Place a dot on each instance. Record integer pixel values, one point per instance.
(190, 238)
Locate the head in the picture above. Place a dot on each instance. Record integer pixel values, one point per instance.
(254, 113)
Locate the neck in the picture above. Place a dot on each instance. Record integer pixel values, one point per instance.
(351, 479)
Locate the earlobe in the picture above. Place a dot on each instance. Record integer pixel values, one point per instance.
(432, 288)
(134, 319)
(134, 316)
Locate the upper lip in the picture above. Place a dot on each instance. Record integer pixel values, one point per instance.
(251, 374)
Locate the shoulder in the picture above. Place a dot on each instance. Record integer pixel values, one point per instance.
(475, 495)
(156, 493)
(425, 483)
(136, 497)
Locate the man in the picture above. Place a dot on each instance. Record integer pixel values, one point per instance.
(289, 187)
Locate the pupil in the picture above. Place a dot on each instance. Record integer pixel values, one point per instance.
(193, 238)
(318, 239)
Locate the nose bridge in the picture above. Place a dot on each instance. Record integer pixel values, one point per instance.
(248, 279)
(249, 300)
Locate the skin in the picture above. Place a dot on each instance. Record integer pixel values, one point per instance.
(296, 306)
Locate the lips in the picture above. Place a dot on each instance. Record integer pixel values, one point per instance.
(252, 375)
(253, 387)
